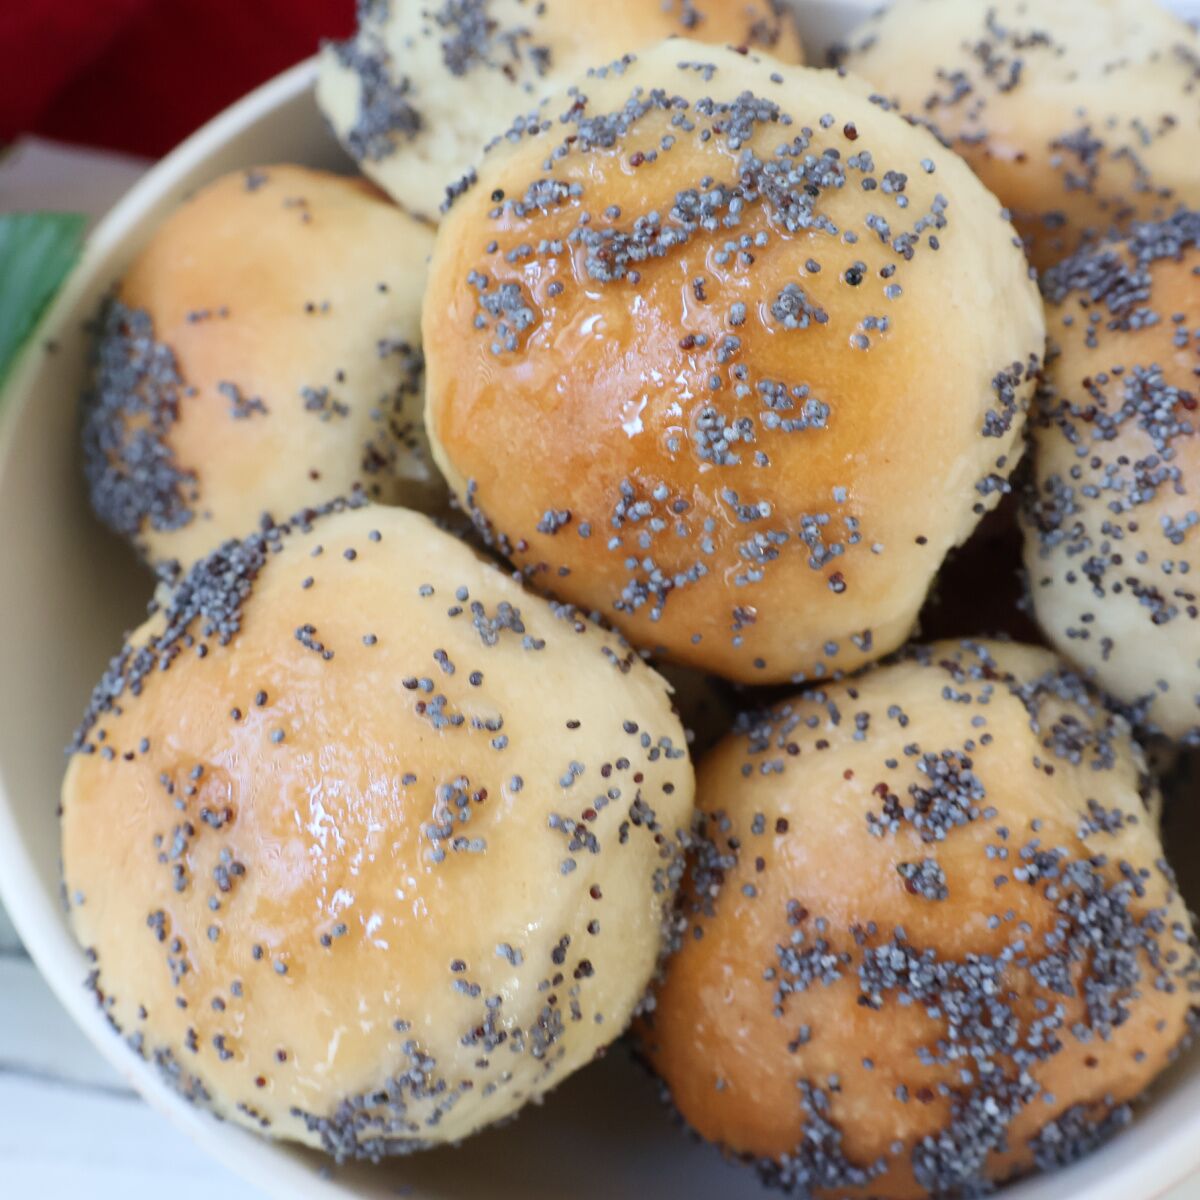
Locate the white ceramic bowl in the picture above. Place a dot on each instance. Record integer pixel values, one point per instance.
(67, 593)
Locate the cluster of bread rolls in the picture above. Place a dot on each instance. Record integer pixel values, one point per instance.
(696, 361)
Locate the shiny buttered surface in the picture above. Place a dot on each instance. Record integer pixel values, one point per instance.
(931, 940)
(424, 85)
(731, 354)
(262, 353)
(1078, 114)
(1112, 515)
(369, 847)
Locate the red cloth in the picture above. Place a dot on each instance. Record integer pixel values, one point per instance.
(140, 75)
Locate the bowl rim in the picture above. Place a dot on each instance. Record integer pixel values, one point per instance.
(1157, 1154)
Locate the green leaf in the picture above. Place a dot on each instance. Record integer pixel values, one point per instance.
(37, 250)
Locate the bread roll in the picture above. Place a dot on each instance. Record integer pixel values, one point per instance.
(731, 355)
(424, 85)
(385, 853)
(1112, 521)
(1078, 114)
(931, 941)
(262, 353)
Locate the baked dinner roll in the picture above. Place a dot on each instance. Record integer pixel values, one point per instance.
(724, 351)
(931, 941)
(424, 84)
(386, 852)
(1079, 115)
(261, 354)
(1112, 521)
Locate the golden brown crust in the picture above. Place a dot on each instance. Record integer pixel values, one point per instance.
(929, 913)
(750, 433)
(1080, 115)
(386, 824)
(269, 335)
(1112, 519)
(422, 87)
